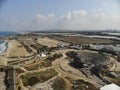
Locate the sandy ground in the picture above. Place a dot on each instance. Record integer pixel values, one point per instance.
(3, 62)
(62, 66)
(48, 42)
(67, 68)
(2, 77)
(117, 68)
(43, 86)
(16, 49)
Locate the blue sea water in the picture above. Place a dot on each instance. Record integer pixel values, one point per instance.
(5, 33)
(3, 44)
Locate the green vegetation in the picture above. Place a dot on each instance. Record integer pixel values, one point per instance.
(118, 81)
(36, 66)
(35, 77)
(27, 47)
(72, 54)
(19, 88)
(18, 71)
(53, 57)
(41, 48)
(33, 80)
(83, 85)
(46, 63)
(13, 61)
(59, 84)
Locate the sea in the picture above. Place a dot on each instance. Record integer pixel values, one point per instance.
(3, 44)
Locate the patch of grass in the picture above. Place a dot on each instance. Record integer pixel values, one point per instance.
(33, 80)
(83, 85)
(38, 77)
(18, 71)
(13, 61)
(59, 84)
(53, 57)
(38, 65)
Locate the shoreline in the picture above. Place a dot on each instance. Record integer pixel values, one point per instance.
(3, 46)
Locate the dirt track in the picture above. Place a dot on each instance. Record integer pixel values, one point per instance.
(48, 42)
(56, 64)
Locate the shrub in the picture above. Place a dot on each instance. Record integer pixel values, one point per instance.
(59, 84)
(32, 80)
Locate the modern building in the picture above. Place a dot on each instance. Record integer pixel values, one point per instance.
(110, 87)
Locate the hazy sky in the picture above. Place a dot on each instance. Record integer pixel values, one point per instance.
(21, 15)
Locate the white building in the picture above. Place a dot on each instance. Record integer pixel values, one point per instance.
(108, 47)
(110, 87)
(43, 55)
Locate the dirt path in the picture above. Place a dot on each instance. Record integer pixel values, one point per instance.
(56, 65)
(35, 71)
(63, 74)
(68, 84)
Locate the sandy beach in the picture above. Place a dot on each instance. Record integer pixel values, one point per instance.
(16, 49)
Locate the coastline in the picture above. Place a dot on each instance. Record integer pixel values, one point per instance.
(3, 46)
(3, 41)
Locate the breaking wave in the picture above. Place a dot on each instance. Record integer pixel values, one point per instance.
(3, 46)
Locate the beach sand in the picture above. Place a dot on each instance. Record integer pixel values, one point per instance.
(16, 49)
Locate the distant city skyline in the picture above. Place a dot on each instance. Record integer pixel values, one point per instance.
(24, 15)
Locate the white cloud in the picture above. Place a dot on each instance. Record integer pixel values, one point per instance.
(67, 16)
(98, 13)
(77, 19)
(40, 18)
(116, 17)
(97, 10)
(80, 13)
(51, 15)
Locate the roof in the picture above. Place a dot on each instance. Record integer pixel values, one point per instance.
(110, 87)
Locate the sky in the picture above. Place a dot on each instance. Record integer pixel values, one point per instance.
(35, 15)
